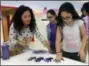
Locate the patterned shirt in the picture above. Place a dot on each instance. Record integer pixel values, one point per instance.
(25, 32)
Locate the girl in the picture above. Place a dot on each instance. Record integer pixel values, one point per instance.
(85, 12)
(71, 34)
(23, 28)
(51, 29)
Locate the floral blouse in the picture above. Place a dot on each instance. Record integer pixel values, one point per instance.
(25, 32)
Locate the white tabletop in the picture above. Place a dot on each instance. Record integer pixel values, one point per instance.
(22, 59)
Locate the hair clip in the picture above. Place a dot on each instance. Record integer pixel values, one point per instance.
(39, 51)
(48, 59)
(30, 59)
(39, 59)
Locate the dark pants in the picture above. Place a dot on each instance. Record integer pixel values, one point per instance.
(73, 56)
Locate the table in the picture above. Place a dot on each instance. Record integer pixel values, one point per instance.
(22, 59)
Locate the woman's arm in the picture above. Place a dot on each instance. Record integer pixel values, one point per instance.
(41, 38)
(12, 37)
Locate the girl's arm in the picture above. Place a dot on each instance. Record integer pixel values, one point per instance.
(83, 37)
(48, 31)
(83, 42)
(58, 44)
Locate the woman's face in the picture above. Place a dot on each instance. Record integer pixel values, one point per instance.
(66, 17)
(26, 18)
(50, 17)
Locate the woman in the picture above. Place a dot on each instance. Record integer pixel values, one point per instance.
(51, 29)
(23, 28)
(71, 34)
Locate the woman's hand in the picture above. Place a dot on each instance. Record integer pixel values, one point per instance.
(47, 44)
(28, 39)
(22, 42)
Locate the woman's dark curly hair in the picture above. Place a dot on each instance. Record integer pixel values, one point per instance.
(67, 7)
(18, 24)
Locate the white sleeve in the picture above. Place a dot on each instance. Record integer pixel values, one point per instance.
(38, 35)
(80, 23)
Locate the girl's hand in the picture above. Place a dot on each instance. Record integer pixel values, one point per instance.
(59, 57)
(82, 55)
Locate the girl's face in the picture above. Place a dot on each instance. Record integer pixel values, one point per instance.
(26, 18)
(84, 12)
(66, 17)
(50, 17)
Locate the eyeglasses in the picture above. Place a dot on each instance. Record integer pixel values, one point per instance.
(67, 18)
(50, 17)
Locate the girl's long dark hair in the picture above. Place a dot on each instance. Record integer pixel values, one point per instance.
(67, 7)
(52, 12)
(18, 24)
(85, 7)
